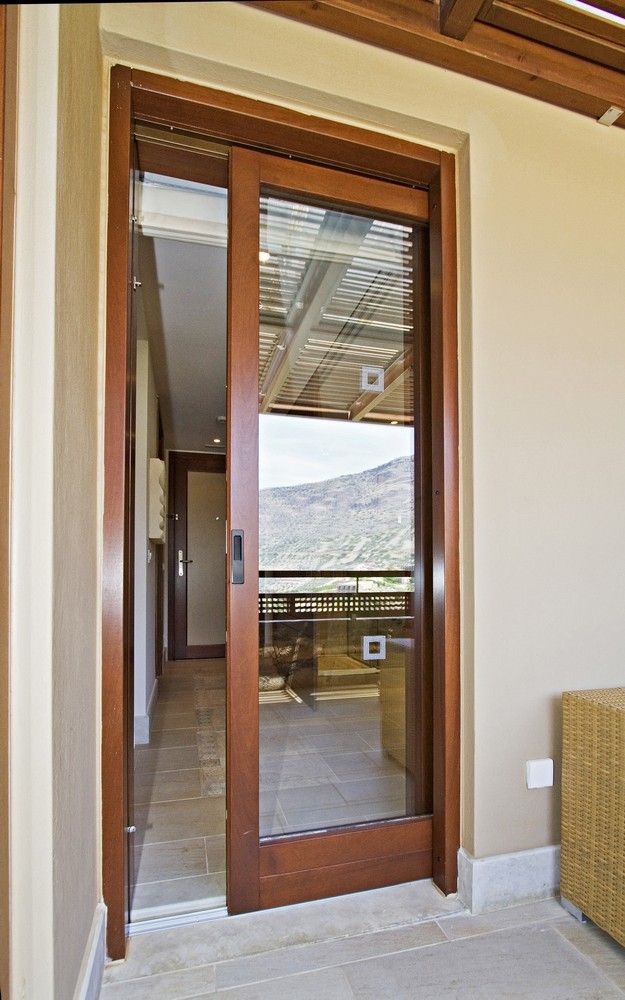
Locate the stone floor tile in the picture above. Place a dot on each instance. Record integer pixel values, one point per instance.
(178, 859)
(169, 986)
(307, 958)
(182, 820)
(304, 923)
(150, 899)
(596, 945)
(329, 984)
(523, 963)
(166, 786)
(463, 925)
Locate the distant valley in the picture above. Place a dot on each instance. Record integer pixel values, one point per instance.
(359, 521)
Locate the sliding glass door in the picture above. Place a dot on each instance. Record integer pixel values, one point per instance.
(330, 706)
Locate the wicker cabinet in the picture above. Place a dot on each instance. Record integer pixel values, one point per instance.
(593, 806)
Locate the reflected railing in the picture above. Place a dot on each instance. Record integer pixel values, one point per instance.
(351, 594)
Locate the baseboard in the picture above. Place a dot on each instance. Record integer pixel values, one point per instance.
(92, 968)
(508, 879)
(143, 723)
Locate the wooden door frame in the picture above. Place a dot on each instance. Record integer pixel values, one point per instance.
(181, 462)
(149, 98)
(291, 868)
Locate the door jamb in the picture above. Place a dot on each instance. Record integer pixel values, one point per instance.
(247, 122)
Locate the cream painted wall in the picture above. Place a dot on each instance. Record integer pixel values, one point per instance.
(146, 447)
(542, 232)
(76, 620)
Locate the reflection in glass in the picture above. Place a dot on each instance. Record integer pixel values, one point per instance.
(337, 671)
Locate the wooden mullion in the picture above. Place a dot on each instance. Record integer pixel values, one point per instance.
(242, 729)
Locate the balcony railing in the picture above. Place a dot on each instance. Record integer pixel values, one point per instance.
(298, 605)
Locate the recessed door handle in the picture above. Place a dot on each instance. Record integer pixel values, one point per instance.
(237, 556)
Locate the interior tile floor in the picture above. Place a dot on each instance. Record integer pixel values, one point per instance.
(323, 765)
(401, 942)
(179, 795)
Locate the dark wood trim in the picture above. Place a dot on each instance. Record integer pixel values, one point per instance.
(307, 852)
(411, 28)
(180, 463)
(273, 129)
(116, 628)
(191, 165)
(457, 16)
(246, 122)
(445, 527)
(572, 17)
(529, 24)
(206, 652)
(321, 182)
(242, 753)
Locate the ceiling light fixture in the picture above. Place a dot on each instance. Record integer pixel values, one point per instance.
(393, 422)
(216, 440)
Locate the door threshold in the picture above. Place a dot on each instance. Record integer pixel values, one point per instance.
(175, 920)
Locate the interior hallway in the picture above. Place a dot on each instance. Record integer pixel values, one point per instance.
(396, 943)
(179, 794)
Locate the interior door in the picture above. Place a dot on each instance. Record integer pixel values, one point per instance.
(197, 555)
(329, 594)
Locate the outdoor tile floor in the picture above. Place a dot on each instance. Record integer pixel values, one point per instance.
(401, 942)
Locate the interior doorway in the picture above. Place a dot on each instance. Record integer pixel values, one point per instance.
(341, 642)
(178, 314)
(197, 554)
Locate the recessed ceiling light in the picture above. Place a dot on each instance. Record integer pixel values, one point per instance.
(264, 256)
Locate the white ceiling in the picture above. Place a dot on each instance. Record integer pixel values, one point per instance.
(182, 309)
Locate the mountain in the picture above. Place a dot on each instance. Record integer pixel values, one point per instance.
(360, 521)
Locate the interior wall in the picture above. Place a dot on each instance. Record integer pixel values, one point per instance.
(542, 365)
(146, 447)
(76, 530)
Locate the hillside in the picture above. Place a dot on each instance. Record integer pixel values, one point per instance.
(360, 521)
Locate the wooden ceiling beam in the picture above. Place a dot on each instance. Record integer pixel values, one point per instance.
(457, 16)
(487, 53)
(394, 376)
(531, 25)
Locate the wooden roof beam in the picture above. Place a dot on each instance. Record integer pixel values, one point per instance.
(457, 16)
(393, 377)
(411, 28)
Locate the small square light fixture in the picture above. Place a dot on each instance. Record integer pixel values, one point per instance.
(372, 378)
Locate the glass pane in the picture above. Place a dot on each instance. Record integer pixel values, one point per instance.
(339, 741)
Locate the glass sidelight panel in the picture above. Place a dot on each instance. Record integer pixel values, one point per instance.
(340, 686)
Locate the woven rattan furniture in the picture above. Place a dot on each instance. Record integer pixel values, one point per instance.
(593, 806)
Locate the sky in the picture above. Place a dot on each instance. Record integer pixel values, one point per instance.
(297, 450)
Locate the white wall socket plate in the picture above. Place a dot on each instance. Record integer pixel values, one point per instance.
(539, 773)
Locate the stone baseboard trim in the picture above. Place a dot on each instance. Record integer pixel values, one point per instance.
(92, 968)
(508, 879)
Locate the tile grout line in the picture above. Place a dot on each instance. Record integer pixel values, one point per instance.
(589, 961)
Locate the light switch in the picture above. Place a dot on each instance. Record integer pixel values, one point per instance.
(539, 773)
